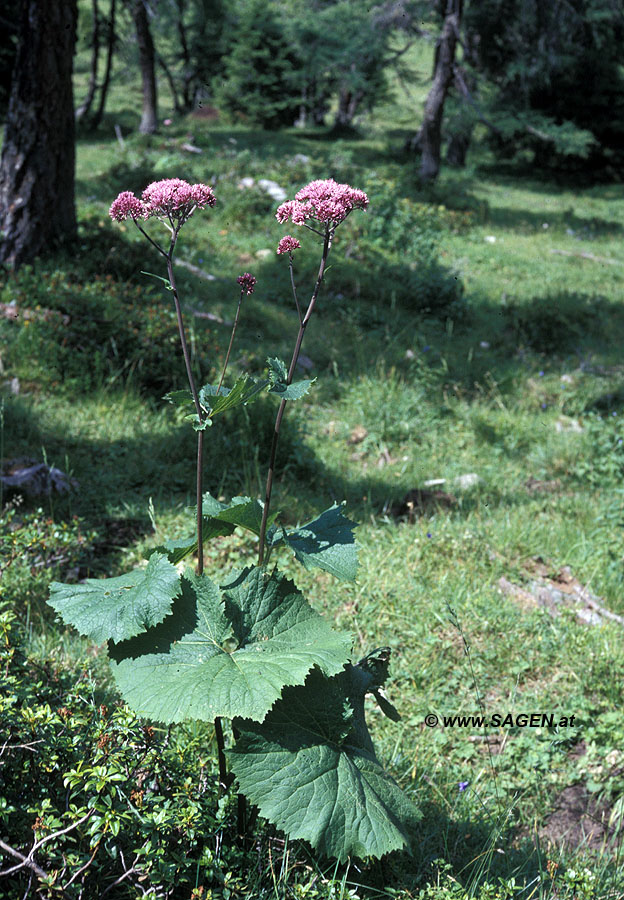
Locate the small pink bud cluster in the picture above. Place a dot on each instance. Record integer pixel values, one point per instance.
(172, 198)
(287, 244)
(325, 201)
(247, 282)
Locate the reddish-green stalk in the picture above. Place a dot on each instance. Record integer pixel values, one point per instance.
(223, 772)
(327, 240)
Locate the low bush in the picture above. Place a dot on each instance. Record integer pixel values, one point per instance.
(557, 323)
(88, 334)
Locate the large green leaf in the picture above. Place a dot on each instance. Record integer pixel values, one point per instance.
(119, 608)
(327, 543)
(226, 652)
(311, 769)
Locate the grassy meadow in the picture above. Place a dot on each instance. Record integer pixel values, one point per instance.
(468, 408)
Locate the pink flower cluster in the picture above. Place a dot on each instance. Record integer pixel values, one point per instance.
(287, 244)
(325, 201)
(172, 197)
(247, 282)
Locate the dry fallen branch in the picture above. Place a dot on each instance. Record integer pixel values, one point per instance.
(584, 255)
(27, 861)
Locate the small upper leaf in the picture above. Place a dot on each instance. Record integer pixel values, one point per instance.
(226, 654)
(119, 608)
(327, 542)
(242, 511)
(216, 400)
(311, 769)
(278, 380)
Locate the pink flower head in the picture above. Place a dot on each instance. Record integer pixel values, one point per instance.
(247, 282)
(325, 201)
(288, 244)
(175, 198)
(126, 204)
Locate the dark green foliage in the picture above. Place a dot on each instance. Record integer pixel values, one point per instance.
(555, 70)
(72, 760)
(342, 51)
(259, 75)
(89, 334)
(399, 246)
(8, 46)
(557, 323)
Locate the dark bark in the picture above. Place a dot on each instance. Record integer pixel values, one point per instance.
(85, 106)
(177, 104)
(187, 66)
(430, 136)
(110, 50)
(457, 149)
(348, 103)
(147, 63)
(37, 208)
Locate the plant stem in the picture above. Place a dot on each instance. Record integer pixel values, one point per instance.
(327, 240)
(229, 350)
(198, 409)
(223, 772)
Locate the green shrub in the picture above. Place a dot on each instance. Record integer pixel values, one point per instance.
(89, 334)
(557, 323)
(399, 245)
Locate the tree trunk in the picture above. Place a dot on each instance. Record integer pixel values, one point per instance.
(431, 130)
(177, 105)
(457, 149)
(110, 49)
(187, 67)
(348, 102)
(147, 62)
(37, 207)
(85, 106)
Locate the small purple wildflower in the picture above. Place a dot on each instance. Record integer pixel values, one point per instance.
(462, 786)
(288, 244)
(544, 405)
(429, 534)
(426, 348)
(541, 373)
(247, 282)
(614, 414)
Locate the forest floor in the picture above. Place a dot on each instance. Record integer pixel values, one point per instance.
(475, 432)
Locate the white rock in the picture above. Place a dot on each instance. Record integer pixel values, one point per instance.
(485, 345)
(273, 189)
(470, 479)
(264, 253)
(300, 158)
(565, 424)
(490, 239)
(246, 183)
(433, 482)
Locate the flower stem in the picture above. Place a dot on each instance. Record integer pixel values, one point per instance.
(229, 350)
(327, 241)
(224, 780)
(198, 409)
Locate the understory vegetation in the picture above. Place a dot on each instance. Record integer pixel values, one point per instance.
(470, 413)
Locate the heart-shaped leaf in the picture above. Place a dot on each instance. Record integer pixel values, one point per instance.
(119, 608)
(226, 652)
(311, 769)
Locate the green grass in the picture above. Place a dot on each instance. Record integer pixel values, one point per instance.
(523, 380)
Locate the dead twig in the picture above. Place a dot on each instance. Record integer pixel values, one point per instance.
(28, 860)
(590, 256)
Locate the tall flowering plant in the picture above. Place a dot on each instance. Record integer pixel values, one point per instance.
(251, 649)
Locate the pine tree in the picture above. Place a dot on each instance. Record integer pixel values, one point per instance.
(259, 79)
